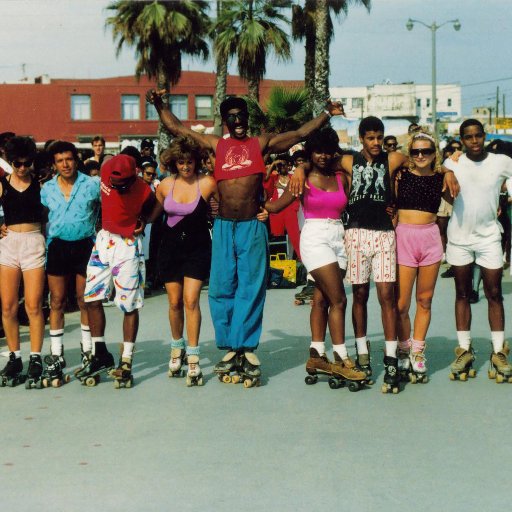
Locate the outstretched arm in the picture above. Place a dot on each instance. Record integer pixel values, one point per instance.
(280, 204)
(174, 125)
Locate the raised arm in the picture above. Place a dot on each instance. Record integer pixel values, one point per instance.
(174, 125)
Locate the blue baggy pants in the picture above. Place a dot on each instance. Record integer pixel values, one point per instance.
(238, 282)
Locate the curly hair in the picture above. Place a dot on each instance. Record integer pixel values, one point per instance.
(179, 148)
(424, 134)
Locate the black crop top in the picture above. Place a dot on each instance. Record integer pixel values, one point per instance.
(22, 207)
(422, 193)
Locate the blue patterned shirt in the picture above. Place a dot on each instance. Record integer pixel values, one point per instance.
(76, 218)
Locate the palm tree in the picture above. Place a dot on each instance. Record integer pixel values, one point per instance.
(311, 23)
(161, 32)
(249, 30)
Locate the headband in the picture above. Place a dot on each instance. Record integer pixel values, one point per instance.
(424, 136)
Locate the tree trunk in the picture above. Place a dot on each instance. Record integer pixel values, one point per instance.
(321, 57)
(254, 89)
(220, 93)
(164, 137)
(309, 69)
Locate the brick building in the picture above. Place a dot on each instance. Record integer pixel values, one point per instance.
(78, 109)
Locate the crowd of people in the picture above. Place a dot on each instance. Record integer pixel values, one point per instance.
(199, 213)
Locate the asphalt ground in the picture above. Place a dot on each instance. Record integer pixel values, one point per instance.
(282, 446)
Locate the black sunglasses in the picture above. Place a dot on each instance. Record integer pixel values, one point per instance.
(242, 116)
(422, 151)
(391, 144)
(19, 165)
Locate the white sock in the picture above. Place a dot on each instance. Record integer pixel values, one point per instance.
(35, 353)
(498, 339)
(86, 338)
(362, 346)
(17, 353)
(319, 346)
(97, 339)
(464, 339)
(56, 336)
(391, 347)
(341, 350)
(128, 349)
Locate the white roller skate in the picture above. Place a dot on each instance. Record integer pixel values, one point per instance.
(194, 373)
(499, 367)
(177, 359)
(418, 369)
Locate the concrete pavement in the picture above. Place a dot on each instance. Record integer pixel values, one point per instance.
(282, 447)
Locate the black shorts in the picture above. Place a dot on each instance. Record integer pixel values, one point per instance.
(184, 255)
(68, 258)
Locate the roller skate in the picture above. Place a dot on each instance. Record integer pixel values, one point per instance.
(306, 294)
(34, 372)
(462, 367)
(250, 372)
(194, 373)
(404, 362)
(11, 373)
(499, 367)
(391, 382)
(178, 358)
(122, 375)
(97, 364)
(418, 363)
(231, 362)
(345, 370)
(317, 365)
(53, 374)
(86, 356)
(363, 362)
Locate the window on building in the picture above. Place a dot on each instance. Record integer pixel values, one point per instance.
(179, 105)
(80, 107)
(151, 113)
(204, 107)
(428, 102)
(130, 107)
(343, 101)
(357, 102)
(418, 102)
(449, 102)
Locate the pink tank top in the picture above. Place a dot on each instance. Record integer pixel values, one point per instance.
(177, 211)
(320, 204)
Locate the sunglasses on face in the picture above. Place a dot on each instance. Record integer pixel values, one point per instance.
(391, 144)
(153, 174)
(231, 118)
(422, 151)
(19, 165)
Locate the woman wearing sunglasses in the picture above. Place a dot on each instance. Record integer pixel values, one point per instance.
(22, 255)
(419, 249)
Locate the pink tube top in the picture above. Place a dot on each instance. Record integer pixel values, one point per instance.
(320, 204)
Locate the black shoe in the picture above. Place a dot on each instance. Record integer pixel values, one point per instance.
(448, 273)
(473, 297)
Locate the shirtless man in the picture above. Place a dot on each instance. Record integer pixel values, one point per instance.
(239, 246)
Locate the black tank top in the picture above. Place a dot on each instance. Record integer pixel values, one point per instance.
(22, 207)
(193, 228)
(422, 193)
(370, 194)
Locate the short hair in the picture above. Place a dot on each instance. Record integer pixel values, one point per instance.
(388, 138)
(232, 102)
(134, 153)
(91, 165)
(98, 138)
(20, 147)
(181, 146)
(370, 124)
(300, 153)
(5, 137)
(325, 139)
(470, 122)
(413, 127)
(62, 146)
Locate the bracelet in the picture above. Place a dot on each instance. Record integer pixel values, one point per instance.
(327, 112)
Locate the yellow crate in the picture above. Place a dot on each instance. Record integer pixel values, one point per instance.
(288, 266)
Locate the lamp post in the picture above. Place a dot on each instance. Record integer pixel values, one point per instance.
(433, 28)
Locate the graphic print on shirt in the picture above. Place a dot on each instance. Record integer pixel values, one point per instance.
(237, 157)
(372, 174)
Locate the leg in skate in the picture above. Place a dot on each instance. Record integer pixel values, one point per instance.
(250, 371)
(499, 367)
(363, 362)
(346, 370)
(53, 374)
(418, 363)
(34, 372)
(404, 363)
(94, 367)
(462, 367)
(306, 294)
(316, 365)
(225, 366)
(177, 358)
(11, 375)
(391, 382)
(194, 373)
(122, 375)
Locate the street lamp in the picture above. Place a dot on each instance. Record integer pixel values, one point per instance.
(433, 28)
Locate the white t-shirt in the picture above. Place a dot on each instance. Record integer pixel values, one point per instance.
(475, 209)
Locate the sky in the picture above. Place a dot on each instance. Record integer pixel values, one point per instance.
(68, 39)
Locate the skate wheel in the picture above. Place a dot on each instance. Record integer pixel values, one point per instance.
(226, 379)
(90, 382)
(247, 383)
(452, 376)
(311, 379)
(46, 383)
(463, 377)
(499, 378)
(67, 378)
(56, 383)
(200, 381)
(412, 378)
(189, 381)
(384, 388)
(235, 379)
(491, 374)
(395, 391)
(353, 387)
(333, 383)
(472, 373)
(117, 384)
(425, 379)
(299, 302)
(129, 382)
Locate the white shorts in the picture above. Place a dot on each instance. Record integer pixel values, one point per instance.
(370, 253)
(321, 243)
(487, 254)
(121, 261)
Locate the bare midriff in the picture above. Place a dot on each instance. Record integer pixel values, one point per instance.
(240, 198)
(416, 217)
(25, 227)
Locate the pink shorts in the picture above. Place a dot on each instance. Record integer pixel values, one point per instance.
(418, 245)
(25, 250)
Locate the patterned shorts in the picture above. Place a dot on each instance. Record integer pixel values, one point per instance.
(120, 261)
(370, 253)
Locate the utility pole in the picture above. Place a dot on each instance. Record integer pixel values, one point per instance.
(497, 107)
(503, 110)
